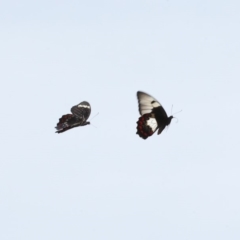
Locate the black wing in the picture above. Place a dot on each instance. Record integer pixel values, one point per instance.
(82, 111)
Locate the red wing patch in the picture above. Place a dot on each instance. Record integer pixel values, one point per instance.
(62, 125)
(146, 125)
(64, 119)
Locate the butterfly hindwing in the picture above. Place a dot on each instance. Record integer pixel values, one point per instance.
(146, 125)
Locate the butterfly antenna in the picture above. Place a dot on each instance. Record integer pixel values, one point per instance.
(93, 117)
(177, 112)
(92, 125)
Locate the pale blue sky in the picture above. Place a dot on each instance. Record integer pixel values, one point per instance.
(106, 183)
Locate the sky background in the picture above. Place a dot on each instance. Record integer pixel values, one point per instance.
(104, 182)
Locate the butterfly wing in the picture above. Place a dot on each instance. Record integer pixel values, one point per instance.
(66, 122)
(146, 125)
(146, 103)
(82, 111)
(153, 115)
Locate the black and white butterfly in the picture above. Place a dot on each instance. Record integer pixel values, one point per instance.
(79, 116)
(153, 116)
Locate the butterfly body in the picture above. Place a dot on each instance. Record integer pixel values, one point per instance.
(79, 116)
(153, 116)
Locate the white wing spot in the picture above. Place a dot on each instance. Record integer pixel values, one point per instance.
(85, 106)
(152, 123)
(156, 104)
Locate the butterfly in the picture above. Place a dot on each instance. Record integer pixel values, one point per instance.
(153, 116)
(79, 116)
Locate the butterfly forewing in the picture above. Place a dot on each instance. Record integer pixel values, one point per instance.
(82, 110)
(146, 103)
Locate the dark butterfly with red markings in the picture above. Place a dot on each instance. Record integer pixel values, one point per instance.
(153, 116)
(79, 116)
